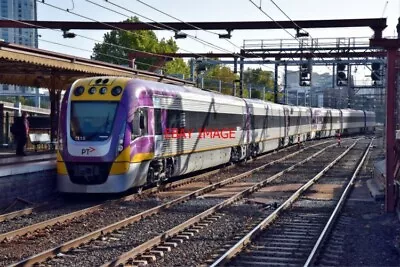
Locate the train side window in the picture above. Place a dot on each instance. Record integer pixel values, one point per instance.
(139, 123)
(157, 122)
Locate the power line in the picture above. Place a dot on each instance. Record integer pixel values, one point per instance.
(165, 26)
(294, 37)
(82, 36)
(132, 49)
(195, 27)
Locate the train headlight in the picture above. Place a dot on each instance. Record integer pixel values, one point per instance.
(103, 90)
(121, 136)
(79, 90)
(92, 90)
(116, 90)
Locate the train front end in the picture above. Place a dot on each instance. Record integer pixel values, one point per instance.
(94, 153)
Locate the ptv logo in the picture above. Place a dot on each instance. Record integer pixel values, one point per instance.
(86, 151)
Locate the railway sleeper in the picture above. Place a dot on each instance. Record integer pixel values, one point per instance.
(280, 253)
(148, 258)
(270, 259)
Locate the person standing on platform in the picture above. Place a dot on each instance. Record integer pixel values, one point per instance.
(20, 131)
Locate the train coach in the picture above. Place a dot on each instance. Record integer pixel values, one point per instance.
(118, 133)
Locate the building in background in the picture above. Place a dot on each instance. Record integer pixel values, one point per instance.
(19, 10)
(322, 92)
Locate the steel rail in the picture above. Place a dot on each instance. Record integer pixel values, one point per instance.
(63, 218)
(115, 226)
(241, 244)
(336, 211)
(170, 233)
(18, 213)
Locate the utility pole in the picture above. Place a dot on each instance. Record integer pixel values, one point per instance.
(241, 73)
(276, 81)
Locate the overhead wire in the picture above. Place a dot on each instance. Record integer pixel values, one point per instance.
(193, 26)
(166, 27)
(294, 37)
(117, 28)
(82, 49)
(82, 36)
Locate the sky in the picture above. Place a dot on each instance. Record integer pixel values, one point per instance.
(215, 10)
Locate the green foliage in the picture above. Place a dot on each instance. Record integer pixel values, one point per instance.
(112, 49)
(258, 77)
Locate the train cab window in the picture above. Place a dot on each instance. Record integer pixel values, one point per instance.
(139, 123)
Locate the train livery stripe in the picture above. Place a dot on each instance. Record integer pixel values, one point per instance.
(119, 168)
(142, 157)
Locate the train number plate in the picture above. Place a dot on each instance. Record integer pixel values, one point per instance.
(86, 170)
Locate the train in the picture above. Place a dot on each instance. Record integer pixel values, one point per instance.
(119, 133)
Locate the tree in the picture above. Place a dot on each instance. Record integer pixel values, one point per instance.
(117, 45)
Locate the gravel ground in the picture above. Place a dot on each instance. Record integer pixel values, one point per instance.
(10, 252)
(111, 246)
(41, 216)
(237, 218)
(368, 235)
(210, 239)
(44, 239)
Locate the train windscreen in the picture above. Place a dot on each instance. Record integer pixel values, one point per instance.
(92, 121)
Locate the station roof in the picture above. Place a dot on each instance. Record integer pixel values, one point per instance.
(26, 66)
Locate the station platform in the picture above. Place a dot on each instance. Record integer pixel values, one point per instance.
(31, 177)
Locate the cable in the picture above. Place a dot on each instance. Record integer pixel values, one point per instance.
(294, 37)
(191, 25)
(82, 16)
(30, 24)
(165, 27)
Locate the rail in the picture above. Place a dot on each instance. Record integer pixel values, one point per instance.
(115, 226)
(252, 234)
(337, 210)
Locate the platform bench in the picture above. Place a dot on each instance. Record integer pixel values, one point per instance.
(41, 139)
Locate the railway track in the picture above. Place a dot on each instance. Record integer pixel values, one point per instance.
(135, 218)
(167, 223)
(46, 214)
(295, 232)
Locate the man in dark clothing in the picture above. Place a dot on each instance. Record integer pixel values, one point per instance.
(21, 130)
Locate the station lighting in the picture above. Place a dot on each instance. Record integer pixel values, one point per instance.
(341, 74)
(180, 35)
(226, 35)
(67, 34)
(301, 34)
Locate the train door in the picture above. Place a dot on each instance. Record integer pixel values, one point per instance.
(365, 121)
(286, 124)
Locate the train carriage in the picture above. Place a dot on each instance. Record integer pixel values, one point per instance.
(118, 133)
(353, 121)
(369, 121)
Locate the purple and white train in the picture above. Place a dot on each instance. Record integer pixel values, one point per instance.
(118, 133)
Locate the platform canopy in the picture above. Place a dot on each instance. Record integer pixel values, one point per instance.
(26, 66)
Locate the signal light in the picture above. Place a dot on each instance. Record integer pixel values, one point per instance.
(341, 74)
(305, 74)
(79, 91)
(376, 71)
(116, 90)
